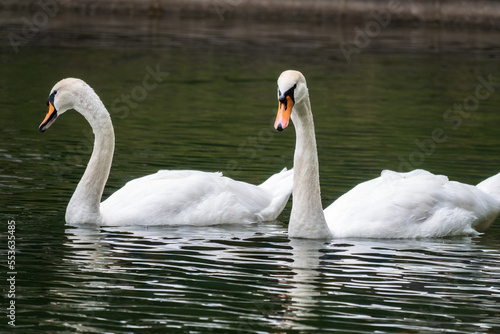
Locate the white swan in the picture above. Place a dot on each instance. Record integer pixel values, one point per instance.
(167, 197)
(417, 204)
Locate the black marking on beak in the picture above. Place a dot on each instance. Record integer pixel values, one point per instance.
(51, 116)
(290, 92)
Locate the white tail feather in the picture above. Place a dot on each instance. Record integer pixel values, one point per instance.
(280, 185)
(491, 186)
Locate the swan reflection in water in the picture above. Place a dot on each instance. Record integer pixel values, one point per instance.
(256, 276)
(402, 281)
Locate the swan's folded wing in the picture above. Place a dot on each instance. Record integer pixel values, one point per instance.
(185, 197)
(169, 175)
(408, 205)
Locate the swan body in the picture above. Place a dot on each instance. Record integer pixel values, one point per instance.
(165, 198)
(417, 204)
(195, 198)
(411, 205)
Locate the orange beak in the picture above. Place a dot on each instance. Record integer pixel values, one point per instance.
(49, 118)
(284, 112)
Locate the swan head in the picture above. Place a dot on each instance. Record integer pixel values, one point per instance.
(65, 95)
(292, 90)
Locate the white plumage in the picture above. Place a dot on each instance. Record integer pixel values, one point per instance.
(417, 204)
(165, 198)
(195, 198)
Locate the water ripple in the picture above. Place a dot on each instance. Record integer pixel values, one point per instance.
(252, 278)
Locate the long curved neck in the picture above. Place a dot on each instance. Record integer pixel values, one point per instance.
(85, 202)
(307, 219)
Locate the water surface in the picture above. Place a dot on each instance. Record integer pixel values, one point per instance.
(213, 111)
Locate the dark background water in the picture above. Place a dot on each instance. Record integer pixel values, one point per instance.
(391, 107)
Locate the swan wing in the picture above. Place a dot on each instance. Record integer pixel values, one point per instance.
(280, 185)
(185, 197)
(411, 205)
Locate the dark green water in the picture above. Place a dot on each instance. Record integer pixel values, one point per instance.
(391, 108)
